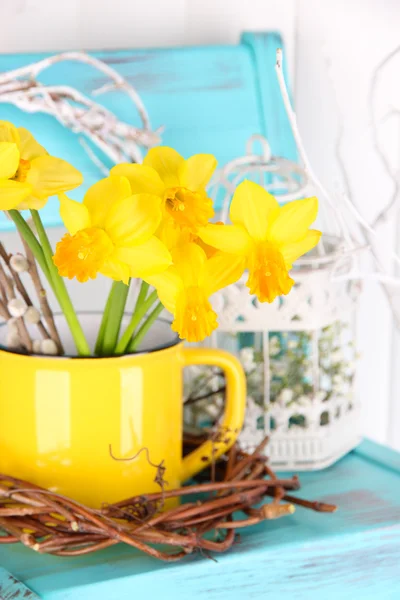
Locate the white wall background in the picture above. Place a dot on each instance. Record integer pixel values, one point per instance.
(354, 36)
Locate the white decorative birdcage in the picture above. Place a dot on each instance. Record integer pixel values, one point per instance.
(298, 352)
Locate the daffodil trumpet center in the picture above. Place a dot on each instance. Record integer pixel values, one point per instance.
(83, 255)
(268, 275)
(194, 317)
(188, 209)
(22, 171)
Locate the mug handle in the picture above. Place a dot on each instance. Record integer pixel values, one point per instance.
(234, 410)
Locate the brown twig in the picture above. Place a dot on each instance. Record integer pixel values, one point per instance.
(8, 288)
(21, 289)
(316, 505)
(42, 297)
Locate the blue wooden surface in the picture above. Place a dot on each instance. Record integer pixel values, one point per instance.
(351, 554)
(210, 99)
(12, 589)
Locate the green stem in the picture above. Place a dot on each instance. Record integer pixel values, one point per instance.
(60, 289)
(145, 327)
(103, 325)
(144, 288)
(140, 312)
(113, 315)
(28, 235)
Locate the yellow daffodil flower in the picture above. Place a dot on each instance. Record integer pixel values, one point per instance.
(112, 233)
(184, 289)
(178, 182)
(269, 237)
(28, 175)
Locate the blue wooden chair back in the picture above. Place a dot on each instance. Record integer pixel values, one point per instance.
(209, 99)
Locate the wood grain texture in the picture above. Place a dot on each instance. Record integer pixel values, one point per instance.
(352, 554)
(12, 589)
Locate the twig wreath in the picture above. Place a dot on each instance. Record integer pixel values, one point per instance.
(49, 523)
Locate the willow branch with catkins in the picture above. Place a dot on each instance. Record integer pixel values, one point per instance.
(18, 309)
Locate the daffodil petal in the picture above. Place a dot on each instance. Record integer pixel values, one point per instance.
(116, 269)
(292, 252)
(228, 238)
(143, 180)
(9, 133)
(133, 220)
(103, 194)
(146, 259)
(167, 162)
(9, 159)
(29, 147)
(75, 215)
(293, 220)
(12, 193)
(222, 270)
(31, 202)
(252, 207)
(196, 171)
(171, 234)
(49, 176)
(168, 286)
(189, 261)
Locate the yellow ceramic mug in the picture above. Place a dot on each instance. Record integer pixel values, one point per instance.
(74, 425)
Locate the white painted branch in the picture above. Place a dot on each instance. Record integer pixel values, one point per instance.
(369, 231)
(119, 140)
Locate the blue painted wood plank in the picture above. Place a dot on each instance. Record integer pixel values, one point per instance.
(12, 589)
(210, 99)
(380, 454)
(354, 553)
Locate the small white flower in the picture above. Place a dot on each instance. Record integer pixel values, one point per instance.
(256, 378)
(286, 396)
(336, 379)
(16, 307)
(274, 346)
(304, 401)
(32, 315)
(246, 357)
(215, 382)
(19, 263)
(337, 356)
(292, 344)
(278, 369)
(320, 396)
(49, 347)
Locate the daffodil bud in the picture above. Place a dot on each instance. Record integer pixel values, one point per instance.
(16, 307)
(37, 346)
(13, 340)
(19, 263)
(32, 315)
(49, 347)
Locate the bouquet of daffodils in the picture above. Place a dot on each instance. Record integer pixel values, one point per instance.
(151, 221)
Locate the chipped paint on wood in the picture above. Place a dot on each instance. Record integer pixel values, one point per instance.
(12, 589)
